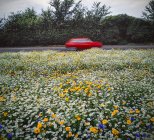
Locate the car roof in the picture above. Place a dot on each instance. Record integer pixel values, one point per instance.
(80, 39)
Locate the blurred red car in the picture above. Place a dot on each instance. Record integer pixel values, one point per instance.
(82, 43)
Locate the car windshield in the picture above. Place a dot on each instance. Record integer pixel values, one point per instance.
(81, 40)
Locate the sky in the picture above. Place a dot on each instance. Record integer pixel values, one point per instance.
(129, 7)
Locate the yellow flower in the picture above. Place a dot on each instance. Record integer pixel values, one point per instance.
(50, 124)
(129, 122)
(114, 112)
(66, 90)
(80, 83)
(72, 90)
(152, 119)
(94, 130)
(62, 122)
(70, 134)
(137, 111)
(61, 95)
(76, 135)
(39, 125)
(131, 111)
(5, 114)
(104, 121)
(115, 107)
(89, 94)
(107, 85)
(78, 117)
(61, 86)
(67, 128)
(66, 99)
(76, 88)
(2, 99)
(45, 119)
(36, 130)
(115, 131)
(40, 114)
(123, 102)
(53, 115)
(109, 89)
(86, 90)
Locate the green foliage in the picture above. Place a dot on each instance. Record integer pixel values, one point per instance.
(65, 19)
(62, 10)
(140, 31)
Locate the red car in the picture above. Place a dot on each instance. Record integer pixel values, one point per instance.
(82, 43)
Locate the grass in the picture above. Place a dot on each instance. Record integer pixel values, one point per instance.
(92, 94)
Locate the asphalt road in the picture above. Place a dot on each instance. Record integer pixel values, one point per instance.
(62, 48)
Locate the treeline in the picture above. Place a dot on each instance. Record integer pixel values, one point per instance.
(66, 19)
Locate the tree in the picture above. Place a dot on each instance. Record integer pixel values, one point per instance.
(149, 15)
(63, 10)
(119, 24)
(78, 16)
(96, 14)
(99, 11)
(47, 19)
(149, 11)
(140, 31)
(1, 23)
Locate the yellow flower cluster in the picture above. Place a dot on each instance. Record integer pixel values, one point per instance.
(39, 125)
(115, 107)
(129, 121)
(67, 128)
(94, 130)
(72, 86)
(5, 114)
(115, 112)
(134, 111)
(137, 111)
(131, 111)
(78, 117)
(53, 115)
(152, 119)
(115, 132)
(61, 122)
(62, 95)
(70, 134)
(37, 130)
(104, 121)
(2, 99)
(45, 119)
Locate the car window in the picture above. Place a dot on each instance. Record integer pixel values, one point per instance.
(81, 40)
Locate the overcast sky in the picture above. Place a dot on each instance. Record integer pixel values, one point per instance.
(130, 7)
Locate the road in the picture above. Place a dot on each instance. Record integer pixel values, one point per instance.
(62, 48)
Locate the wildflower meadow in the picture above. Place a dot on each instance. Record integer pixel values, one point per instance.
(78, 95)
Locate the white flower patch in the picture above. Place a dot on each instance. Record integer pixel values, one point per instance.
(93, 94)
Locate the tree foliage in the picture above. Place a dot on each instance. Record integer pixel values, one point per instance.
(149, 11)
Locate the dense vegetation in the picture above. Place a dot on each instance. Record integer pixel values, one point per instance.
(93, 94)
(65, 19)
